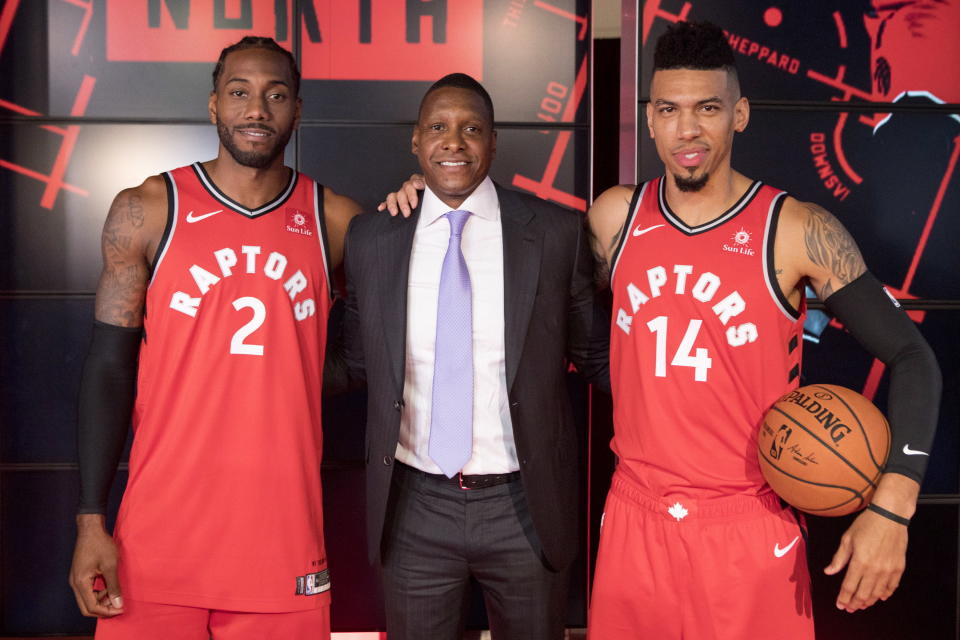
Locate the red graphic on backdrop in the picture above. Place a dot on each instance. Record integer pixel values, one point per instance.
(54, 180)
(544, 187)
(417, 40)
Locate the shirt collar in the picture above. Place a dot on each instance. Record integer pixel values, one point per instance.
(483, 202)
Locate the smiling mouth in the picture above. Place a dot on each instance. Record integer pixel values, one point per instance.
(255, 133)
(690, 159)
(447, 163)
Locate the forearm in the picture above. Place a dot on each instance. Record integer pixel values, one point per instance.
(107, 390)
(886, 331)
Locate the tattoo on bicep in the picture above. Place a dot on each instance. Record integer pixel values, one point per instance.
(123, 283)
(831, 247)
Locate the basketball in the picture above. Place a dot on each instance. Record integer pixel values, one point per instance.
(822, 449)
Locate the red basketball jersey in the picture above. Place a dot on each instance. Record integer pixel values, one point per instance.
(703, 343)
(223, 509)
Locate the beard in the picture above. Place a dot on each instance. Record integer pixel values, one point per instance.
(253, 159)
(691, 184)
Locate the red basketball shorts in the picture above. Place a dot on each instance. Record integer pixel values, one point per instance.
(155, 621)
(720, 569)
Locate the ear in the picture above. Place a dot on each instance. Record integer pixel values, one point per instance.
(650, 118)
(297, 112)
(741, 114)
(493, 145)
(212, 107)
(415, 141)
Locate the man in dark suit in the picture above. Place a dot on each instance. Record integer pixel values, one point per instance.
(460, 319)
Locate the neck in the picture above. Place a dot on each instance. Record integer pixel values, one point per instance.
(716, 196)
(249, 186)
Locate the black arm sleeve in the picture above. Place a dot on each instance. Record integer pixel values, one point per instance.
(107, 389)
(343, 368)
(589, 325)
(878, 323)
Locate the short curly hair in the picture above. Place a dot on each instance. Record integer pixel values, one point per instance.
(694, 45)
(258, 42)
(460, 81)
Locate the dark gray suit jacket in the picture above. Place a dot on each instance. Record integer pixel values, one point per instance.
(550, 316)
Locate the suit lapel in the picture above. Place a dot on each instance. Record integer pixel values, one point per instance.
(394, 244)
(522, 247)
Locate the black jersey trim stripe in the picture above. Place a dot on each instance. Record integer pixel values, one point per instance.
(318, 213)
(632, 212)
(173, 209)
(769, 268)
(236, 206)
(727, 215)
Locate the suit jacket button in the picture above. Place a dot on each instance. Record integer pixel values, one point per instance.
(387, 460)
(514, 404)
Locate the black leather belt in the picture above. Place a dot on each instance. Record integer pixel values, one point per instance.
(462, 481)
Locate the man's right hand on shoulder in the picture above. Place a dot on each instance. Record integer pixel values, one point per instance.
(406, 198)
(95, 559)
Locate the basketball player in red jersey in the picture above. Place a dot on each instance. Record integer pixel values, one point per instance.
(708, 269)
(217, 277)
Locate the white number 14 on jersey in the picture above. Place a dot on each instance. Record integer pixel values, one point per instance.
(700, 362)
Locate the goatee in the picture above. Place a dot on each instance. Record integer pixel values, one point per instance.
(691, 184)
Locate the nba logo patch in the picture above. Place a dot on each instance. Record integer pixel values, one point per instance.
(299, 222)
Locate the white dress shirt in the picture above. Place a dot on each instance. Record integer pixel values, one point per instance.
(494, 450)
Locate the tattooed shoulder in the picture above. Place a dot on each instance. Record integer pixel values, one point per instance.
(122, 286)
(830, 246)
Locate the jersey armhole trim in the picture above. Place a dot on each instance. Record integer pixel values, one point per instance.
(769, 268)
(627, 225)
(324, 241)
(173, 207)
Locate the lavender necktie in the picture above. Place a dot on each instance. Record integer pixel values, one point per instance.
(451, 419)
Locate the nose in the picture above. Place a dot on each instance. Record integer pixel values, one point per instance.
(688, 124)
(453, 139)
(256, 108)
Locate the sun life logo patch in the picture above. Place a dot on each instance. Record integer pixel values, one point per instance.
(740, 243)
(299, 222)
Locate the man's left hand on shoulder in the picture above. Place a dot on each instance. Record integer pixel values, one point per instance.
(874, 548)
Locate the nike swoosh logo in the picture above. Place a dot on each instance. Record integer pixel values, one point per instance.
(777, 551)
(639, 232)
(913, 452)
(193, 218)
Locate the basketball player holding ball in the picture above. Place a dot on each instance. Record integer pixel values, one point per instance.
(708, 269)
(216, 277)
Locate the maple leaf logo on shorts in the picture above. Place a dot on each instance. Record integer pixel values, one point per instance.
(677, 511)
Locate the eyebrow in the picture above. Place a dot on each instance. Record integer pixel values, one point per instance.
(238, 79)
(661, 101)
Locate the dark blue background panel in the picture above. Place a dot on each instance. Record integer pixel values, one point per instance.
(37, 515)
(924, 606)
(43, 343)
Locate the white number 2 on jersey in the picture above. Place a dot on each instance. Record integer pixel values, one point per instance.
(237, 344)
(682, 358)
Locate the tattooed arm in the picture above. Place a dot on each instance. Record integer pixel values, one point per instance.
(130, 237)
(812, 244)
(607, 217)
(131, 233)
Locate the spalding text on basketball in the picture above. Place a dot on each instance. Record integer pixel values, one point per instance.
(831, 423)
